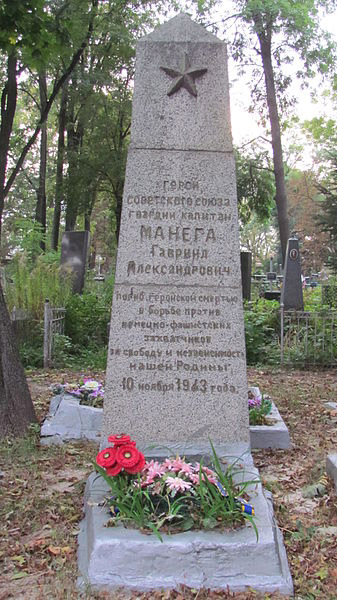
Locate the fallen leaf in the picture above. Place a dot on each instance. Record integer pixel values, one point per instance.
(57, 550)
(54, 550)
(19, 575)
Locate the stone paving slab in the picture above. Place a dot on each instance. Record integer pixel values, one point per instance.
(119, 557)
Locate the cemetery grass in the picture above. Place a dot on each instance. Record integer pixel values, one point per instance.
(41, 491)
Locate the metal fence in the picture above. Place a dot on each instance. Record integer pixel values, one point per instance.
(54, 321)
(308, 338)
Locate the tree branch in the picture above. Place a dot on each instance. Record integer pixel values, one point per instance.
(57, 86)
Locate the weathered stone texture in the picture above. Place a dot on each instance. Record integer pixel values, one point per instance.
(176, 368)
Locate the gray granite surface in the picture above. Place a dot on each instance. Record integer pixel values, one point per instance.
(176, 370)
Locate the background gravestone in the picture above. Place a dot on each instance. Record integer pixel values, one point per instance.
(74, 255)
(176, 370)
(292, 292)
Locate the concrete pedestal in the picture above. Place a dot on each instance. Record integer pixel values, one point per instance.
(69, 420)
(119, 557)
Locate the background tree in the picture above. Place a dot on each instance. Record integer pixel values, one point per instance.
(276, 32)
(327, 217)
(25, 38)
(304, 205)
(255, 184)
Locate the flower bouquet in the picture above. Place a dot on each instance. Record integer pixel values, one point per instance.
(259, 407)
(89, 392)
(173, 495)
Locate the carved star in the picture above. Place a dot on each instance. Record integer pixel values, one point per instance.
(183, 77)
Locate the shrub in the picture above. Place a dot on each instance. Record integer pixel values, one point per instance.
(262, 328)
(31, 286)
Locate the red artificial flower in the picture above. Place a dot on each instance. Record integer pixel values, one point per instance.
(127, 455)
(121, 438)
(138, 466)
(115, 470)
(107, 457)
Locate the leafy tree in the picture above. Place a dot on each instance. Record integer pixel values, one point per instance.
(328, 215)
(255, 185)
(25, 39)
(260, 239)
(303, 208)
(276, 31)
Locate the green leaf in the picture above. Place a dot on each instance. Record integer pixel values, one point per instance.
(187, 524)
(209, 522)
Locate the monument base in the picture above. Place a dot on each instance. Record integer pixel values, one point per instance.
(113, 557)
(69, 420)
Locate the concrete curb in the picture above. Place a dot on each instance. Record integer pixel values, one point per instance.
(275, 435)
(331, 467)
(109, 558)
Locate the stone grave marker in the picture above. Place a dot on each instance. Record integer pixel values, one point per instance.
(176, 372)
(292, 292)
(74, 255)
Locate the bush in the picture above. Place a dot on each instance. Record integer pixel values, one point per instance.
(31, 286)
(262, 328)
(31, 347)
(87, 318)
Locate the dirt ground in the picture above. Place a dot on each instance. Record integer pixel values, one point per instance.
(41, 491)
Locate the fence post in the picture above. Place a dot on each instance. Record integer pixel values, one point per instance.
(46, 335)
(282, 332)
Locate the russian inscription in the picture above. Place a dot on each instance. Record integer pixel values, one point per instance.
(177, 330)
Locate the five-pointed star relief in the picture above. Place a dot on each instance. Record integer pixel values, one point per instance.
(183, 77)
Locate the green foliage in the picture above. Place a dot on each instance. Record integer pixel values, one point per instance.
(28, 236)
(84, 344)
(258, 413)
(31, 346)
(158, 508)
(255, 186)
(88, 315)
(329, 293)
(31, 287)
(328, 216)
(25, 25)
(68, 355)
(262, 328)
(311, 341)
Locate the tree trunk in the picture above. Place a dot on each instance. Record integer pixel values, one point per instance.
(59, 169)
(281, 194)
(16, 407)
(74, 143)
(8, 106)
(41, 205)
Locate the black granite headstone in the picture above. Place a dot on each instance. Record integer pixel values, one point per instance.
(246, 274)
(74, 254)
(292, 293)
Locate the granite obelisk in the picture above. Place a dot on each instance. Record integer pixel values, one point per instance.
(176, 368)
(176, 371)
